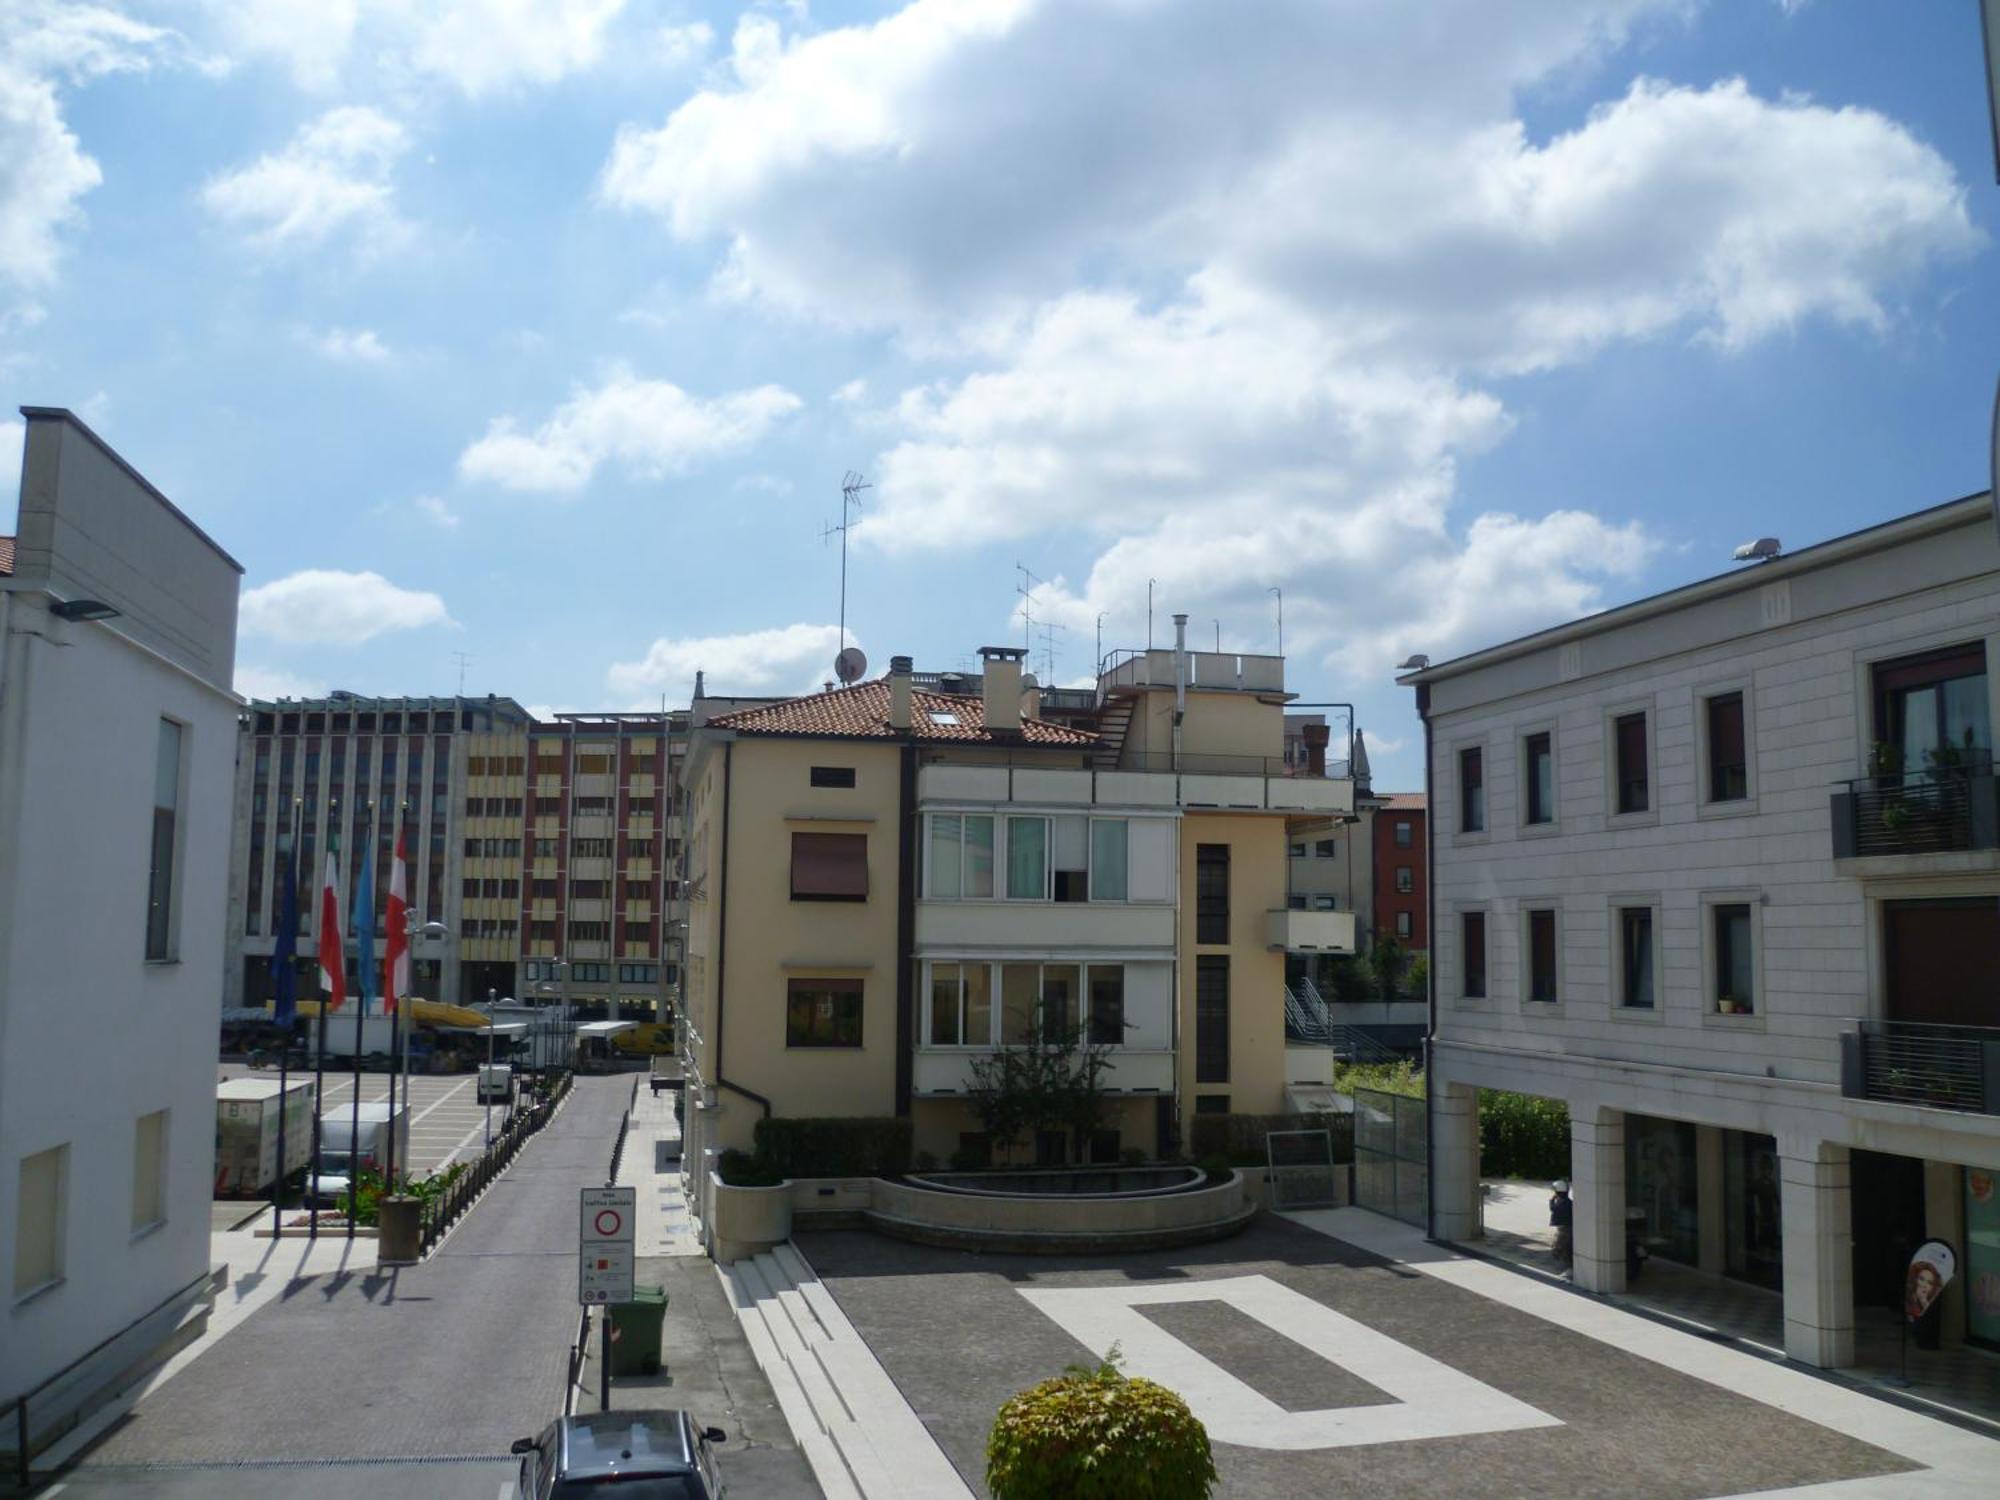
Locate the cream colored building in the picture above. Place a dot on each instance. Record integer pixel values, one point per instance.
(887, 883)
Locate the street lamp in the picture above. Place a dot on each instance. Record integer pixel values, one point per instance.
(486, 1079)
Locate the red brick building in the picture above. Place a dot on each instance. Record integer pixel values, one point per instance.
(1400, 870)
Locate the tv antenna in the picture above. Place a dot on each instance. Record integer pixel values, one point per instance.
(463, 661)
(851, 486)
(1026, 589)
(1049, 631)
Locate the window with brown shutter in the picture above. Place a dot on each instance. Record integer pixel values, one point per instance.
(829, 867)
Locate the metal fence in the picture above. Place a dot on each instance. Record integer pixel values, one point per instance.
(1391, 1169)
(1300, 1168)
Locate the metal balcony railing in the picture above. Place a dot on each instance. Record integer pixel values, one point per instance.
(1917, 1063)
(1945, 807)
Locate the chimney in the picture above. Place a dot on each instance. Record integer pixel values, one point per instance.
(1315, 736)
(899, 692)
(1031, 697)
(1001, 688)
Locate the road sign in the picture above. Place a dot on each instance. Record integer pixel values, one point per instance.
(604, 1245)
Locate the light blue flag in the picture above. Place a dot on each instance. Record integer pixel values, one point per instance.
(362, 925)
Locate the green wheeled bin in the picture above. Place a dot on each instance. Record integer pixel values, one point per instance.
(638, 1325)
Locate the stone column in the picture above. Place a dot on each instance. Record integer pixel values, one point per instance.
(1815, 1215)
(1597, 1184)
(1455, 1189)
(1944, 1219)
(1710, 1213)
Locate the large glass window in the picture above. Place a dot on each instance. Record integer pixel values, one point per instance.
(1931, 709)
(1635, 928)
(1542, 955)
(1070, 844)
(1735, 982)
(1471, 791)
(1629, 737)
(961, 1005)
(1062, 995)
(1660, 1184)
(1539, 759)
(1109, 847)
(1211, 893)
(1728, 756)
(1020, 998)
(166, 816)
(1027, 859)
(823, 1013)
(1107, 1005)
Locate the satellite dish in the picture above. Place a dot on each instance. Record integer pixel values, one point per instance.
(850, 664)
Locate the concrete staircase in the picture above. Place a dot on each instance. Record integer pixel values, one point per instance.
(854, 1427)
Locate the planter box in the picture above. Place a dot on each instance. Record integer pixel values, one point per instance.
(746, 1221)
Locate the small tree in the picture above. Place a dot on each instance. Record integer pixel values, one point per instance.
(1386, 961)
(1054, 1082)
(1098, 1435)
(1416, 979)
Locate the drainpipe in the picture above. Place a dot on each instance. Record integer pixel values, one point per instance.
(1180, 683)
(722, 941)
(1430, 968)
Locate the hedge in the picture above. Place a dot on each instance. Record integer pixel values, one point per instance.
(845, 1146)
(1522, 1135)
(1239, 1139)
(1098, 1435)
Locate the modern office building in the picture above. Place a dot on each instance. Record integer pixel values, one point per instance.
(888, 883)
(546, 848)
(1720, 869)
(117, 730)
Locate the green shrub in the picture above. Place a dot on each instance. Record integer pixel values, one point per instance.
(1522, 1135)
(741, 1169)
(1097, 1435)
(1404, 1078)
(1239, 1139)
(844, 1146)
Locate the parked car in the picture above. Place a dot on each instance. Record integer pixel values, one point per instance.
(648, 1455)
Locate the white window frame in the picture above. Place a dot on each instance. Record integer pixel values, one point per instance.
(1090, 861)
(1522, 735)
(1746, 805)
(1760, 1001)
(999, 868)
(1613, 818)
(1406, 924)
(141, 1227)
(1615, 947)
(992, 1004)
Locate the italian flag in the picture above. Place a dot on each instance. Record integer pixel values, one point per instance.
(332, 966)
(396, 962)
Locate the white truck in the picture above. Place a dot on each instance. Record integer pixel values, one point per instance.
(246, 1133)
(341, 1151)
(496, 1083)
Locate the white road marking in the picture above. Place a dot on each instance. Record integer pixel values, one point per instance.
(418, 1119)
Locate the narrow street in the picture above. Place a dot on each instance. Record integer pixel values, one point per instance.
(421, 1376)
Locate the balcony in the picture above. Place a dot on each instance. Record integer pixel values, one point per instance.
(1132, 1071)
(1310, 931)
(1941, 810)
(1923, 1065)
(1209, 670)
(1249, 782)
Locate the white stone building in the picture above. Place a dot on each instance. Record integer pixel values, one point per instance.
(1718, 869)
(117, 738)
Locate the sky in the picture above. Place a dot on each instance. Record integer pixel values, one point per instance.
(526, 345)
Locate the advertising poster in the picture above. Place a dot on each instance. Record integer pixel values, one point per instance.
(1982, 1256)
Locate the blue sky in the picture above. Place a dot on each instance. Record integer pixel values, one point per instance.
(544, 333)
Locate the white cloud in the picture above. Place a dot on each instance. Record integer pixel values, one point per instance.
(484, 45)
(787, 659)
(331, 181)
(436, 511)
(677, 46)
(853, 393)
(13, 434)
(275, 682)
(650, 427)
(349, 345)
(324, 607)
(762, 484)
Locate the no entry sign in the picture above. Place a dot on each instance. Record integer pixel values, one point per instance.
(604, 1245)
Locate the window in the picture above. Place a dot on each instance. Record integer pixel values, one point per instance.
(1298, 850)
(166, 814)
(1070, 857)
(829, 867)
(1107, 1005)
(1211, 1104)
(1628, 732)
(1321, 903)
(1404, 833)
(1211, 894)
(1472, 952)
(1635, 945)
(1298, 901)
(1471, 791)
(590, 848)
(961, 1005)
(1323, 849)
(637, 973)
(1061, 1000)
(590, 932)
(1931, 709)
(1728, 761)
(833, 776)
(1539, 762)
(823, 1013)
(1211, 1018)
(1405, 924)
(1735, 982)
(1109, 849)
(1020, 997)
(545, 848)
(1027, 859)
(41, 1205)
(149, 1171)
(1406, 880)
(548, 807)
(1542, 956)
(961, 857)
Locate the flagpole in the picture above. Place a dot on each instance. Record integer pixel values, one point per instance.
(285, 1000)
(364, 950)
(389, 988)
(319, 1050)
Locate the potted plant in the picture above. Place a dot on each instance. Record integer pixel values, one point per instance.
(1730, 1005)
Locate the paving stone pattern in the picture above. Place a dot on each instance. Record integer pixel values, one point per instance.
(955, 1334)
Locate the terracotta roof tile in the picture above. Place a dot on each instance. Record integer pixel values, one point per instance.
(1402, 801)
(6, 555)
(862, 711)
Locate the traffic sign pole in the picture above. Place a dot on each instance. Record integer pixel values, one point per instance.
(604, 1261)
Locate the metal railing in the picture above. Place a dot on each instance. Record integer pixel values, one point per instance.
(446, 1208)
(1306, 1020)
(1922, 1064)
(1946, 807)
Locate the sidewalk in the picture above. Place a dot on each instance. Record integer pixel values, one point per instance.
(651, 1166)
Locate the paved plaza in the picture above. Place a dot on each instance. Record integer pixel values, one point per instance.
(447, 1121)
(1337, 1353)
